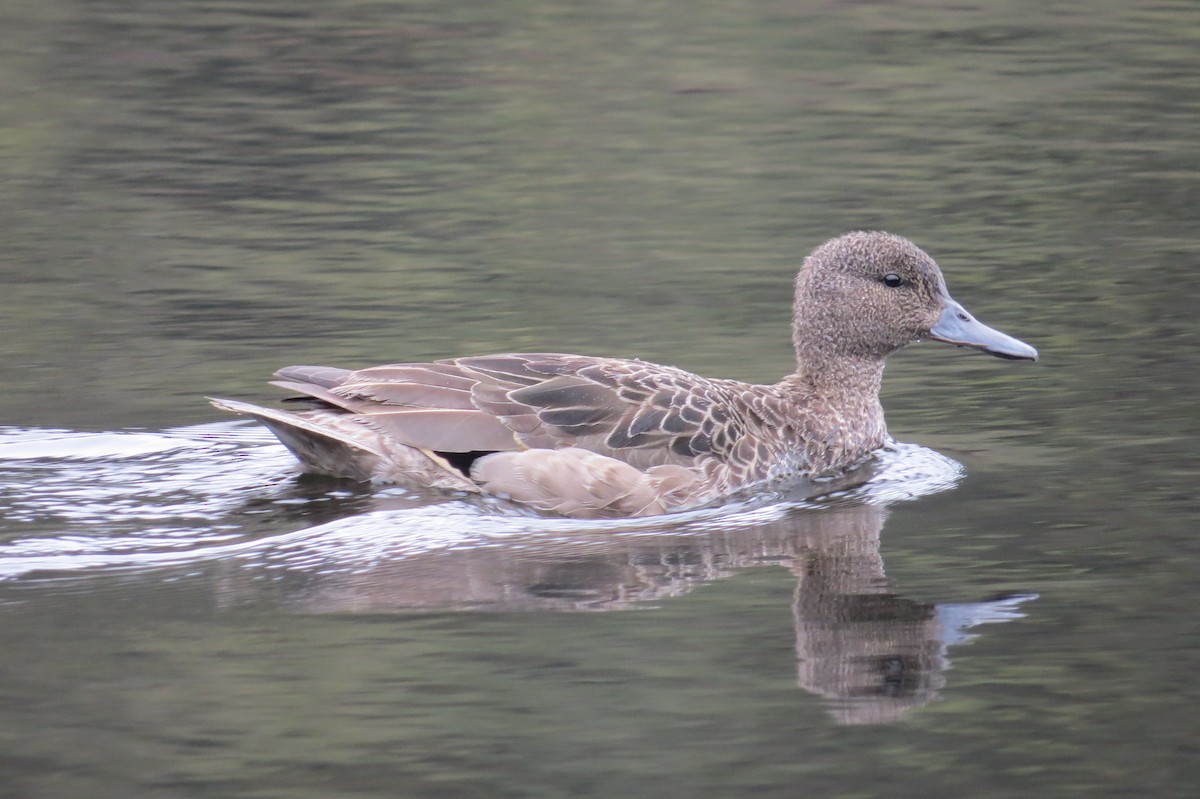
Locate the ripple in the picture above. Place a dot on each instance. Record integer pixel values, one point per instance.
(78, 503)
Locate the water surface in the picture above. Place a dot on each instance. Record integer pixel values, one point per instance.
(197, 193)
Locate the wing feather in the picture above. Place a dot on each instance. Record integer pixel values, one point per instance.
(421, 395)
(442, 430)
(635, 412)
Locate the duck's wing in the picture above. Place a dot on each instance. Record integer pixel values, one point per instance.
(637, 412)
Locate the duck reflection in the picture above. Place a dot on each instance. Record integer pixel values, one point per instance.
(874, 655)
(321, 546)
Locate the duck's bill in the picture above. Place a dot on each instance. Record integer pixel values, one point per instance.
(957, 327)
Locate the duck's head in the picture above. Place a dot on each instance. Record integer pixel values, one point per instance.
(867, 294)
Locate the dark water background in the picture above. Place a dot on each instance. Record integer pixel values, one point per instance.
(193, 194)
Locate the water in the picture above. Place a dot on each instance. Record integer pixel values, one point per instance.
(197, 193)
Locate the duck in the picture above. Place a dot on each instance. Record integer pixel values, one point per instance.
(597, 437)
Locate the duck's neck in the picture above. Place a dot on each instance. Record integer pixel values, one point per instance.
(838, 398)
(841, 376)
(828, 364)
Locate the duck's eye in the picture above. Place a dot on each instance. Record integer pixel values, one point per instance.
(893, 281)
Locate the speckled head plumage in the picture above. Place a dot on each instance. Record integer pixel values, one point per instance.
(865, 295)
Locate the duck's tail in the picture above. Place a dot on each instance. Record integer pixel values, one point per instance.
(333, 442)
(321, 440)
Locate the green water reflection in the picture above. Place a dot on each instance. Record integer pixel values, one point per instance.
(195, 193)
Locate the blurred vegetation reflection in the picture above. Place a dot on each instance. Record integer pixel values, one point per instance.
(195, 193)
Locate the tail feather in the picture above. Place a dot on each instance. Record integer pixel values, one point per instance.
(317, 443)
(331, 441)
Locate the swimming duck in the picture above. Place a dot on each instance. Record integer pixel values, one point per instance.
(585, 436)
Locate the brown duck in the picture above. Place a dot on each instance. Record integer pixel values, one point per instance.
(585, 436)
